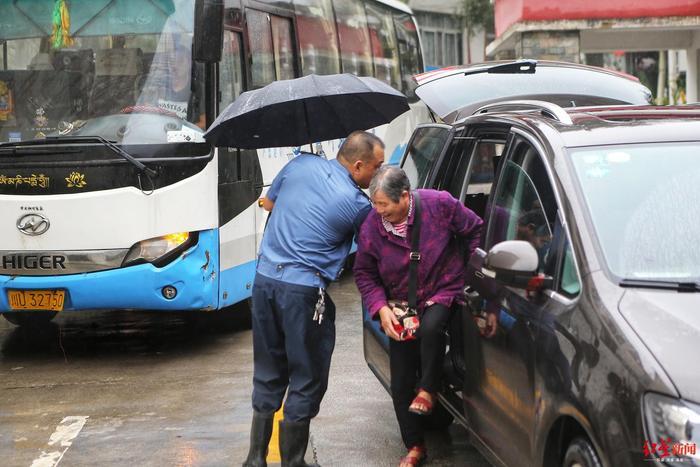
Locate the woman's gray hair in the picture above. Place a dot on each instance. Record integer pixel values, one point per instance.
(390, 180)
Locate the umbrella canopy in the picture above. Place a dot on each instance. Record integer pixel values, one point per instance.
(306, 110)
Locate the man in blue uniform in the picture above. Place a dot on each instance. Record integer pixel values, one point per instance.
(318, 207)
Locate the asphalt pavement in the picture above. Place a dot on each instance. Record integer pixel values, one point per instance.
(173, 389)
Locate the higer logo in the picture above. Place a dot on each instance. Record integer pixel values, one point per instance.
(33, 262)
(33, 224)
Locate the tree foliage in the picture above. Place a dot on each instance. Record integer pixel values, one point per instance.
(477, 13)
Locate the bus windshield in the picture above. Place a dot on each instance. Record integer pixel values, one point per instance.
(118, 69)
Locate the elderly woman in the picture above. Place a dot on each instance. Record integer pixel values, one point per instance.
(381, 273)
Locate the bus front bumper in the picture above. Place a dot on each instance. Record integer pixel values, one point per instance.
(194, 275)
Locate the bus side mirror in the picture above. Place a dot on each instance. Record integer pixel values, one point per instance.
(208, 30)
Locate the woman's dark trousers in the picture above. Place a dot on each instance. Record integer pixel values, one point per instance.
(417, 364)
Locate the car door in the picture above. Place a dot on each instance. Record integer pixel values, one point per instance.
(424, 152)
(499, 392)
(467, 171)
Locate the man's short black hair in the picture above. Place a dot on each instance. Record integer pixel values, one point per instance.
(359, 145)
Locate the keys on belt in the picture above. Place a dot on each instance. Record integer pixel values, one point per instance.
(320, 306)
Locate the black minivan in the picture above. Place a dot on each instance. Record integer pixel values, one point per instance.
(589, 258)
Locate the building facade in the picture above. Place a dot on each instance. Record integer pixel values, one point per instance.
(444, 38)
(656, 40)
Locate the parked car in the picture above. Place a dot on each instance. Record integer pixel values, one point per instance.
(589, 258)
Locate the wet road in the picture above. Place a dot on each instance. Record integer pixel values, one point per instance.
(153, 389)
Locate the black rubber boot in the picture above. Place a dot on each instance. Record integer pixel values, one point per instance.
(294, 438)
(260, 433)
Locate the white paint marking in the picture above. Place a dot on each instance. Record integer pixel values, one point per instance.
(62, 438)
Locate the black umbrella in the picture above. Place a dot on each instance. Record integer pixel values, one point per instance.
(305, 110)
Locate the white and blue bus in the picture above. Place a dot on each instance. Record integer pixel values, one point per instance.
(109, 196)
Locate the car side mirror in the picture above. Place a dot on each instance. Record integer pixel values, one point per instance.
(514, 263)
(208, 30)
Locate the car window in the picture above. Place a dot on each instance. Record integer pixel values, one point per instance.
(468, 169)
(524, 204)
(425, 147)
(483, 164)
(459, 150)
(481, 174)
(570, 284)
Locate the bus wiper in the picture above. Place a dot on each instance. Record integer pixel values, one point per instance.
(32, 151)
(663, 285)
(110, 144)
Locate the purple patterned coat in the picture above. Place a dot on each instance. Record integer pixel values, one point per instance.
(381, 263)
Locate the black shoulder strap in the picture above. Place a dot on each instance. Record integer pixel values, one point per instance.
(415, 254)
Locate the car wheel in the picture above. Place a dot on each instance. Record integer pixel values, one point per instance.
(581, 453)
(33, 318)
(439, 420)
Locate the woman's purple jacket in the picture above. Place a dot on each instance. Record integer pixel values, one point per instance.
(381, 262)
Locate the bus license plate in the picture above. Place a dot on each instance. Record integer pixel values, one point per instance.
(36, 299)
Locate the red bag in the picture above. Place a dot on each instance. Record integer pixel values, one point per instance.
(408, 320)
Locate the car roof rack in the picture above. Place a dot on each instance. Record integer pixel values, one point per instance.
(546, 108)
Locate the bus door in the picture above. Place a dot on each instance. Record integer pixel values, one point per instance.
(240, 185)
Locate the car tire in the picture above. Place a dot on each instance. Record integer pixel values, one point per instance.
(581, 453)
(30, 319)
(439, 420)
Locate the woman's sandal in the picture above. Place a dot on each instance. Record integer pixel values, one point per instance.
(415, 461)
(419, 400)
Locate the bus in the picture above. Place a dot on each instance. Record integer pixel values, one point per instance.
(110, 198)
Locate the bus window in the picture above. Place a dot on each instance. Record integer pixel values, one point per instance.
(355, 50)
(231, 68)
(317, 38)
(263, 66)
(283, 46)
(384, 48)
(271, 47)
(409, 51)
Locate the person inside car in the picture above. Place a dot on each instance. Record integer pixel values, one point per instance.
(381, 273)
(533, 228)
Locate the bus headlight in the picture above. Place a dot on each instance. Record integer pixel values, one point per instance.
(674, 426)
(159, 250)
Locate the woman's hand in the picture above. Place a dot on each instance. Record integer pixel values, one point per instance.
(491, 325)
(388, 321)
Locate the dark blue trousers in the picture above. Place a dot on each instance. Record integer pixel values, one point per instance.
(290, 349)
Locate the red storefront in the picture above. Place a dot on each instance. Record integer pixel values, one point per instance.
(574, 29)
